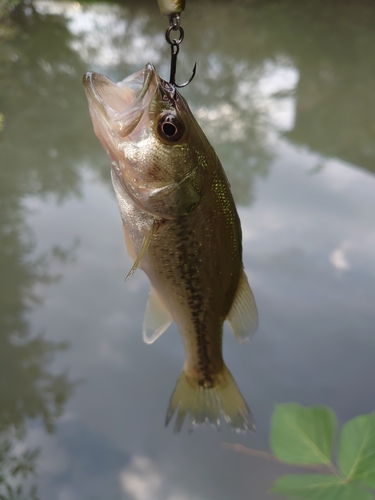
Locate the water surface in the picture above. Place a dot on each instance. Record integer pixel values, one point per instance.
(285, 92)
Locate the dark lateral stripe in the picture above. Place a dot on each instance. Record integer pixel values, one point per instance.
(188, 251)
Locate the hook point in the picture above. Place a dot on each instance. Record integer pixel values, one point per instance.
(190, 79)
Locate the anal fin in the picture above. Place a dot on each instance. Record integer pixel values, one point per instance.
(243, 316)
(157, 318)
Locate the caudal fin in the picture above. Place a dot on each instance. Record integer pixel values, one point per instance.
(205, 405)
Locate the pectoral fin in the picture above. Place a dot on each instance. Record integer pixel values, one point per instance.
(145, 244)
(243, 316)
(157, 318)
(129, 244)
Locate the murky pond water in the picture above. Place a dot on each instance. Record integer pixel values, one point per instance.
(285, 92)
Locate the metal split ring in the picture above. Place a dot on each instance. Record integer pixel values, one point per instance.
(174, 41)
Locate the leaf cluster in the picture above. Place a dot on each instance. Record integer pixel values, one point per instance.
(307, 436)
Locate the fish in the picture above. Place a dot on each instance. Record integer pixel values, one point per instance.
(181, 227)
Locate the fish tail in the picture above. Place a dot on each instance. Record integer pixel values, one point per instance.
(205, 404)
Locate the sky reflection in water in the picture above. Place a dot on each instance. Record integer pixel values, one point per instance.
(289, 116)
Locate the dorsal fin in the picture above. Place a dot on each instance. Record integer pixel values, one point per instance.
(243, 316)
(157, 318)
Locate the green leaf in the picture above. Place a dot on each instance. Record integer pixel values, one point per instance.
(319, 487)
(356, 455)
(302, 435)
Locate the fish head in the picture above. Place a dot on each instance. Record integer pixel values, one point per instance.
(158, 152)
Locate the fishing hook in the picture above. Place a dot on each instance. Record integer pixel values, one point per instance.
(174, 25)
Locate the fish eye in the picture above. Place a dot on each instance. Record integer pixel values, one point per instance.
(170, 128)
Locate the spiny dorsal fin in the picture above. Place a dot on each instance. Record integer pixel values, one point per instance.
(157, 318)
(243, 316)
(145, 244)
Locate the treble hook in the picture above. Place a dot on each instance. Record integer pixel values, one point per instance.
(174, 25)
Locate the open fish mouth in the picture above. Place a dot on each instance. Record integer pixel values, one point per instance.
(120, 104)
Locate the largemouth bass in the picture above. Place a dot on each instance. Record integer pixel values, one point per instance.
(182, 229)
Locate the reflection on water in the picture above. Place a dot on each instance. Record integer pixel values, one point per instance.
(29, 389)
(284, 90)
(335, 96)
(227, 101)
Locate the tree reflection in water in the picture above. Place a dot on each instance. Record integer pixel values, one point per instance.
(29, 390)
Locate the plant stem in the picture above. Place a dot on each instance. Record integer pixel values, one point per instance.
(269, 456)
